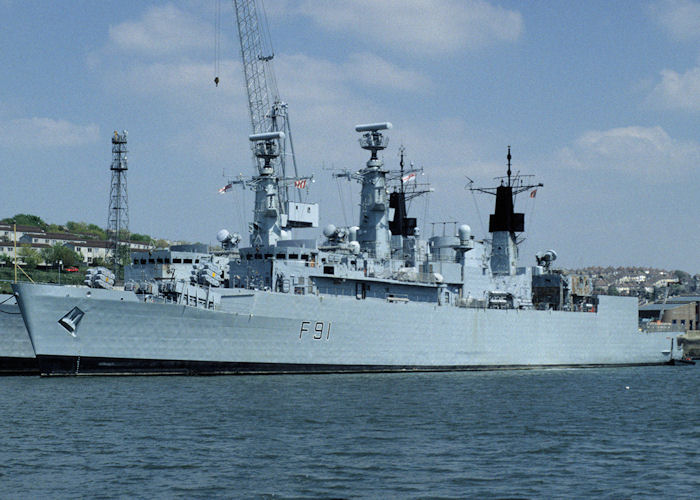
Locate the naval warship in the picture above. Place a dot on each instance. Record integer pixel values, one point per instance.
(371, 297)
(374, 297)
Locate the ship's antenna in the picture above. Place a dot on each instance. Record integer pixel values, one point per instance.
(401, 151)
(509, 157)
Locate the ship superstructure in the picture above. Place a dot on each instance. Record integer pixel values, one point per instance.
(364, 299)
(375, 296)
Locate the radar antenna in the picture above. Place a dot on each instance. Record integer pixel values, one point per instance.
(268, 113)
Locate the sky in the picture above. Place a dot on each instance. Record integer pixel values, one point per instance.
(599, 100)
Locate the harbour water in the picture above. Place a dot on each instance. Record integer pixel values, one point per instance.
(615, 433)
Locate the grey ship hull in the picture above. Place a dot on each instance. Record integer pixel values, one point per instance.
(267, 332)
(16, 352)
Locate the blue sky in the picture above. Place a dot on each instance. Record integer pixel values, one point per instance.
(599, 100)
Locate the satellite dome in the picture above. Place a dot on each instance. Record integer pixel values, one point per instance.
(329, 230)
(223, 235)
(465, 232)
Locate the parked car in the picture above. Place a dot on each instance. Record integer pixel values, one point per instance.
(72, 269)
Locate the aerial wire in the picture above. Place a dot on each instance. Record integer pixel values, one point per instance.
(342, 201)
(478, 214)
(217, 42)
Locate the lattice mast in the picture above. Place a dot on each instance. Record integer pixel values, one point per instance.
(268, 113)
(271, 138)
(118, 220)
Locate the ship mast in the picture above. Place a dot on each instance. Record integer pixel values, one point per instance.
(505, 222)
(374, 235)
(271, 138)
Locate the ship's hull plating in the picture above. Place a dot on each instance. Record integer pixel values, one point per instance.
(16, 352)
(265, 332)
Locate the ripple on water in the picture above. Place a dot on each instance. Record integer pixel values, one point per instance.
(539, 433)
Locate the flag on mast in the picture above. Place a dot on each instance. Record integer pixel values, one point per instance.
(225, 188)
(408, 178)
(533, 193)
(300, 184)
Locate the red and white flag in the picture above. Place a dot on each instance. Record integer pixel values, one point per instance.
(300, 184)
(225, 188)
(408, 178)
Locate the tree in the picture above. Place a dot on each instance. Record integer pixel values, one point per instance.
(140, 237)
(682, 276)
(55, 228)
(58, 252)
(5, 259)
(97, 231)
(91, 230)
(30, 256)
(99, 262)
(25, 220)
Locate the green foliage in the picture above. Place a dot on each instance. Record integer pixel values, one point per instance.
(39, 276)
(97, 231)
(140, 237)
(99, 261)
(90, 231)
(58, 252)
(123, 259)
(25, 220)
(161, 244)
(87, 229)
(29, 256)
(5, 259)
(681, 275)
(55, 228)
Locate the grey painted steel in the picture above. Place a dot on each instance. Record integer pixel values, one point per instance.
(277, 328)
(363, 300)
(14, 339)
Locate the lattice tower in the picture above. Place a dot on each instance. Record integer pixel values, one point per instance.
(118, 223)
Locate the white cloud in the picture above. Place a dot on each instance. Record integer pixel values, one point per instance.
(305, 77)
(646, 152)
(46, 132)
(678, 91)
(184, 91)
(419, 27)
(173, 78)
(162, 30)
(681, 18)
(374, 71)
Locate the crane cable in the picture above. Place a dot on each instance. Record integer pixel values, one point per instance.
(217, 42)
